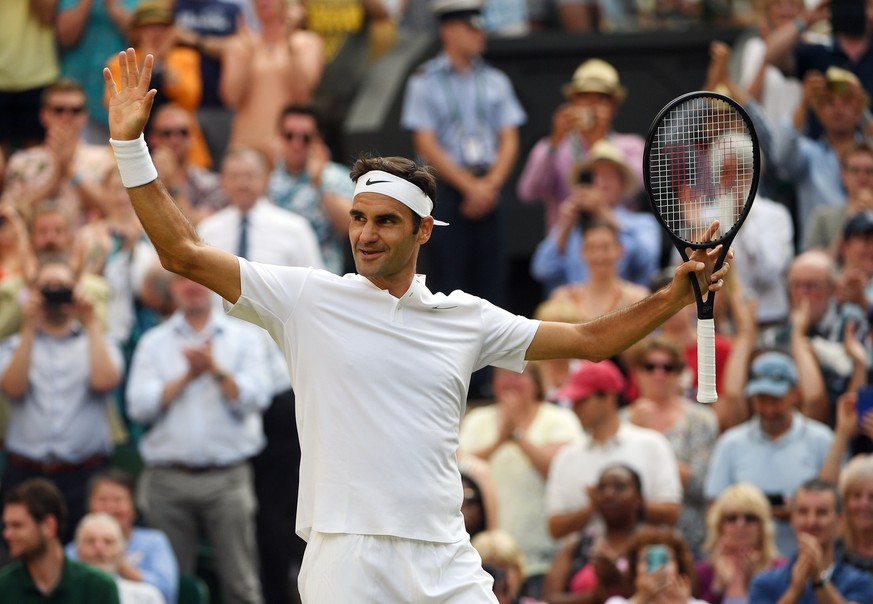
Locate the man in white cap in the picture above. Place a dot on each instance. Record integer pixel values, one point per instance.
(380, 366)
(593, 97)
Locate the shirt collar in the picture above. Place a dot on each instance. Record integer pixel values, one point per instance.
(616, 440)
(214, 325)
(797, 429)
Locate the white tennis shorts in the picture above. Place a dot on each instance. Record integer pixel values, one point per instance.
(340, 568)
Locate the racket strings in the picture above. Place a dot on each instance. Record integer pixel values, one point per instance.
(701, 164)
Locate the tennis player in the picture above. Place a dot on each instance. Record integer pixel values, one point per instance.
(380, 366)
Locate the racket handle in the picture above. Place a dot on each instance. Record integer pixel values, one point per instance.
(706, 361)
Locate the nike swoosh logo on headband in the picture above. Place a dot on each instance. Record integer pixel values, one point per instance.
(370, 181)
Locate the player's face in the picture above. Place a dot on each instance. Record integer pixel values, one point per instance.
(115, 500)
(26, 538)
(383, 243)
(815, 513)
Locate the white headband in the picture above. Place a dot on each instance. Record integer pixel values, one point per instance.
(377, 181)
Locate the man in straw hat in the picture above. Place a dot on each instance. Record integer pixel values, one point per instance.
(593, 97)
(380, 366)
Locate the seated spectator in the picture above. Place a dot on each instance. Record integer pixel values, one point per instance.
(590, 568)
(305, 181)
(504, 561)
(656, 575)
(855, 544)
(826, 222)
(147, 556)
(519, 436)
(263, 72)
(195, 189)
(599, 185)
(604, 290)
(34, 516)
(99, 542)
(58, 424)
(855, 283)
(479, 506)
(176, 71)
(739, 544)
(594, 389)
(794, 446)
(62, 167)
(816, 573)
(593, 97)
(690, 427)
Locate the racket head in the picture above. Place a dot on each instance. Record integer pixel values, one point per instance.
(701, 162)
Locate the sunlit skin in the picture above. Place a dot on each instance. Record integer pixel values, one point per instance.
(25, 537)
(115, 500)
(383, 244)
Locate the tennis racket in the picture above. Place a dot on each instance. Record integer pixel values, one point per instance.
(701, 163)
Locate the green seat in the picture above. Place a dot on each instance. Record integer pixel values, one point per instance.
(192, 590)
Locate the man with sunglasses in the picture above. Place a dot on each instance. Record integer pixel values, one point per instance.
(595, 390)
(305, 181)
(62, 167)
(777, 449)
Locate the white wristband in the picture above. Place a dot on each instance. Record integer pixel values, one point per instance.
(134, 162)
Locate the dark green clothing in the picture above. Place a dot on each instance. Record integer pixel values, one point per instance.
(79, 584)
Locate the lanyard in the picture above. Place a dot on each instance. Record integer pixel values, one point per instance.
(452, 99)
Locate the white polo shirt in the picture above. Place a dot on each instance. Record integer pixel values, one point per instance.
(381, 385)
(579, 464)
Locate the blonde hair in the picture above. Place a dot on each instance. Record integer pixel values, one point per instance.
(499, 547)
(746, 498)
(858, 469)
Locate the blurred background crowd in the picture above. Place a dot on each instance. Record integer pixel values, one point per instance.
(168, 428)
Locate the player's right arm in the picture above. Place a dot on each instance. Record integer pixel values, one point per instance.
(179, 248)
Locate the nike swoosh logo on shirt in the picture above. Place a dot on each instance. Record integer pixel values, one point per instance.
(443, 307)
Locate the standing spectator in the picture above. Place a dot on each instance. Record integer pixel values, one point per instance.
(200, 381)
(89, 31)
(196, 189)
(58, 373)
(62, 167)
(305, 181)
(594, 389)
(147, 555)
(208, 27)
(464, 118)
(33, 517)
(599, 184)
(826, 222)
(263, 72)
(100, 543)
(690, 427)
(816, 573)
(28, 64)
(794, 446)
(251, 225)
(593, 98)
(518, 437)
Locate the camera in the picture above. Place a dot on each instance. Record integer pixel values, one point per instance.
(585, 177)
(656, 557)
(57, 296)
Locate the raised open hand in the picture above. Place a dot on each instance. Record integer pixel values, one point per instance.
(129, 105)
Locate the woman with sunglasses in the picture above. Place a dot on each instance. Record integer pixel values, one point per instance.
(590, 569)
(658, 365)
(739, 544)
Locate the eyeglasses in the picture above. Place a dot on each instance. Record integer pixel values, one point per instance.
(865, 170)
(747, 518)
(291, 135)
(168, 132)
(69, 109)
(668, 367)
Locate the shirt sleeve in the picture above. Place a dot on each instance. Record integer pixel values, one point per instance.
(269, 294)
(416, 113)
(506, 338)
(537, 180)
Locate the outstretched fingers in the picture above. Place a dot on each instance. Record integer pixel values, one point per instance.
(109, 83)
(129, 67)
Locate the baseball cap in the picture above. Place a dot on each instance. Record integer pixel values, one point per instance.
(596, 75)
(591, 378)
(859, 224)
(152, 12)
(772, 373)
(469, 11)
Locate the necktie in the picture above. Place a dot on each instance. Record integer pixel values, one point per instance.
(243, 245)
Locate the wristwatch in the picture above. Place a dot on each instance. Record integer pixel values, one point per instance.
(824, 578)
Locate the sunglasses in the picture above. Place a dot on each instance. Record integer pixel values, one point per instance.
(747, 518)
(70, 109)
(668, 367)
(168, 132)
(305, 136)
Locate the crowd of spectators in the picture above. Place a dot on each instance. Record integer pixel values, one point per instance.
(583, 482)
